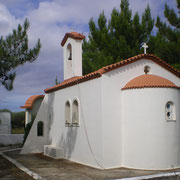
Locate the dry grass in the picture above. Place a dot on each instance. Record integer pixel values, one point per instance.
(18, 131)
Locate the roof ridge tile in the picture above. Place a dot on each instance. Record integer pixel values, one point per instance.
(105, 69)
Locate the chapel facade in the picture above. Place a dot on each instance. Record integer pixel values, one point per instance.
(123, 115)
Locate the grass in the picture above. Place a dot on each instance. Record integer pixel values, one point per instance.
(18, 131)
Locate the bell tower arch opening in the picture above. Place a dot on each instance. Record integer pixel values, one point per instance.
(69, 51)
(72, 50)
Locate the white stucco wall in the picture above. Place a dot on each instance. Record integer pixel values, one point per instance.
(149, 140)
(34, 143)
(28, 117)
(11, 139)
(112, 107)
(106, 137)
(82, 144)
(5, 123)
(36, 106)
(73, 67)
(30, 112)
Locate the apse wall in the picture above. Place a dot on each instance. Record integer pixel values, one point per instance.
(150, 141)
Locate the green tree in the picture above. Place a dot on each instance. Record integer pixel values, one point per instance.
(147, 24)
(166, 44)
(14, 51)
(119, 38)
(56, 81)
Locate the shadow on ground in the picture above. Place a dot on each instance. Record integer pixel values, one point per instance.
(52, 169)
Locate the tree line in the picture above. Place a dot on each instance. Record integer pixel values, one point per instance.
(109, 41)
(123, 34)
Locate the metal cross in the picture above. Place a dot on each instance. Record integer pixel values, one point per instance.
(145, 46)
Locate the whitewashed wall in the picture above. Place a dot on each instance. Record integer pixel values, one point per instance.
(112, 108)
(82, 144)
(105, 137)
(34, 143)
(5, 123)
(73, 67)
(36, 106)
(33, 111)
(11, 139)
(149, 140)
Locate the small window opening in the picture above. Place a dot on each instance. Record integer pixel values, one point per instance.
(170, 111)
(69, 50)
(40, 128)
(75, 117)
(67, 113)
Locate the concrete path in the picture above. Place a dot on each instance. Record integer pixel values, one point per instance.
(52, 169)
(8, 171)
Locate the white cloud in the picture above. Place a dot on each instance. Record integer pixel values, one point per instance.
(7, 20)
(49, 21)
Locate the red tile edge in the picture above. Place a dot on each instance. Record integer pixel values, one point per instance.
(30, 101)
(73, 35)
(111, 67)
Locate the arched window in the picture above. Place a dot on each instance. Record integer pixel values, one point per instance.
(69, 51)
(67, 113)
(75, 115)
(170, 111)
(40, 128)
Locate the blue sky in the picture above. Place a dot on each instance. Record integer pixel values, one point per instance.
(49, 21)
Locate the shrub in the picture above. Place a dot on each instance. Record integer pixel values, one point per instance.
(18, 120)
(28, 128)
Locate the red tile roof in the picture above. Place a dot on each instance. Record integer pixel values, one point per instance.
(149, 81)
(139, 57)
(97, 74)
(31, 100)
(73, 81)
(73, 35)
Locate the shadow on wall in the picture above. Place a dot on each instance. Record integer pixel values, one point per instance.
(68, 143)
(50, 115)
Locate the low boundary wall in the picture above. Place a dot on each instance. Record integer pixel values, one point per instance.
(10, 139)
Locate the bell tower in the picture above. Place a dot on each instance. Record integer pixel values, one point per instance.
(72, 50)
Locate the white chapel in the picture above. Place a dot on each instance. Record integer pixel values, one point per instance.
(123, 115)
